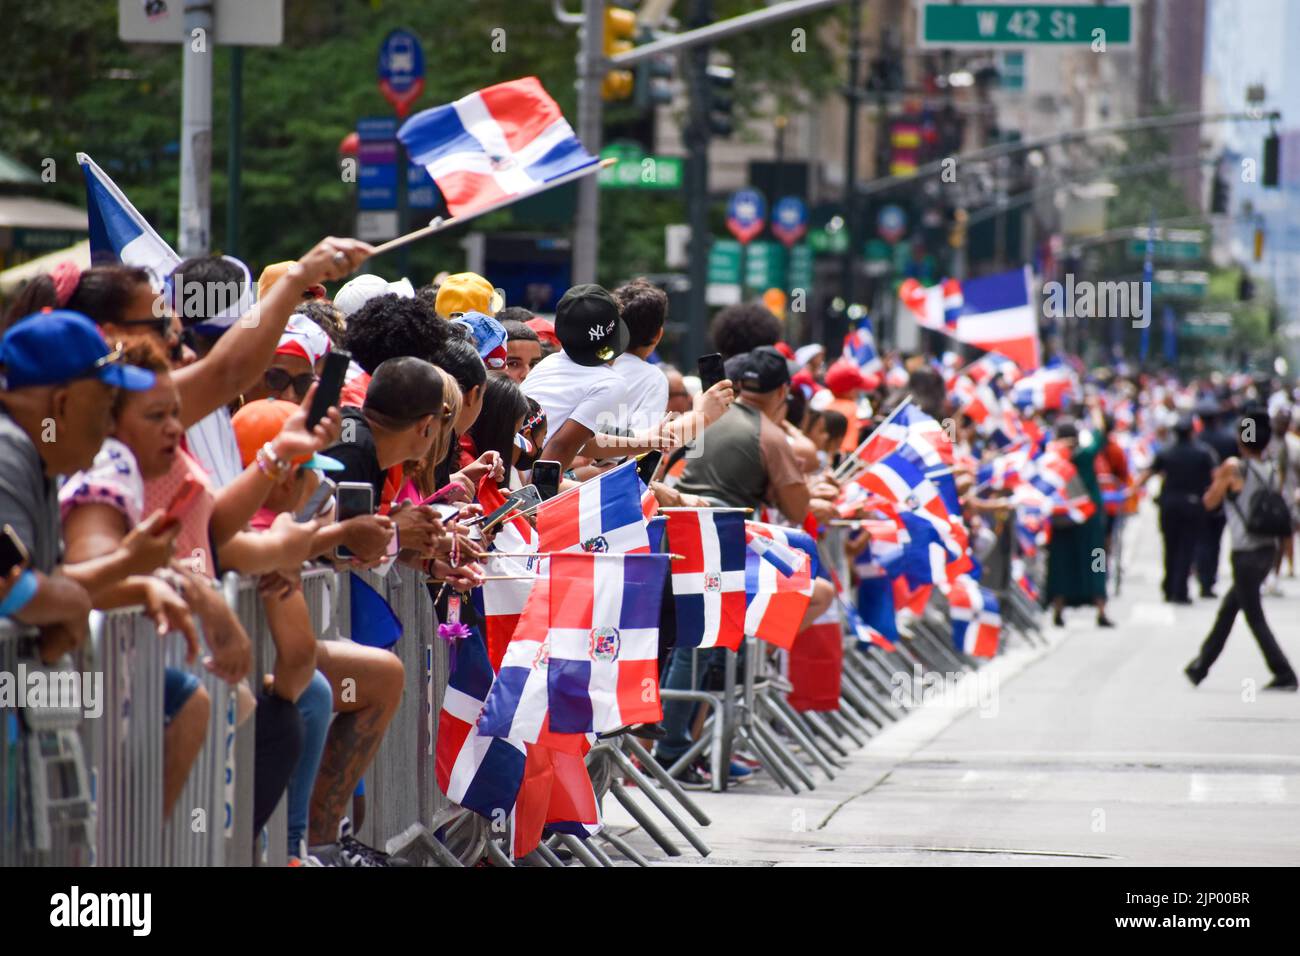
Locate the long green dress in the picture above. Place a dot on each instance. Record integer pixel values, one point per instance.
(1075, 550)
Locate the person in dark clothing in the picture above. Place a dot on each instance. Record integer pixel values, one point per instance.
(1219, 437)
(1187, 467)
(1236, 483)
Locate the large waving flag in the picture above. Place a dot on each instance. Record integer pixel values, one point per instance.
(500, 142)
(603, 668)
(603, 515)
(709, 578)
(480, 773)
(993, 312)
(118, 233)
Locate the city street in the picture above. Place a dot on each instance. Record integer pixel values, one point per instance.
(1095, 752)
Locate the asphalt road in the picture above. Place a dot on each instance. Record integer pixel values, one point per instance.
(1095, 751)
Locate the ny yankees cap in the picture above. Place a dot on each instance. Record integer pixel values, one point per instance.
(588, 326)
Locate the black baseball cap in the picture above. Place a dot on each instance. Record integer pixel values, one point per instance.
(588, 326)
(765, 371)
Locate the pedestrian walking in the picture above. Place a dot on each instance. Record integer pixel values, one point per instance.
(1256, 517)
(1187, 467)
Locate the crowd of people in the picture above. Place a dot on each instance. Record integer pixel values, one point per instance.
(154, 440)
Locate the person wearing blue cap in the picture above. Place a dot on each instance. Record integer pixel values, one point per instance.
(57, 378)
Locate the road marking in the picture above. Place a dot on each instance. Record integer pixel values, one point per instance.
(1236, 788)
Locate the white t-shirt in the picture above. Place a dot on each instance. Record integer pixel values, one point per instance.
(591, 396)
(646, 388)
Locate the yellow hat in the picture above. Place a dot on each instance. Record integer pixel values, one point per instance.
(466, 292)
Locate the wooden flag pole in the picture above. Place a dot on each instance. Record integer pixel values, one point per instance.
(438, 224)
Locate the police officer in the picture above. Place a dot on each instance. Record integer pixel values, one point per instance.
(1219, 436)
(1187, 467)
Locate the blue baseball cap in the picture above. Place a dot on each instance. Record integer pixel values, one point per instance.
(57, 346)
(489, 337)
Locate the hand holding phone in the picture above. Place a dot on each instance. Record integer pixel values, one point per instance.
(185, 498)
(329, 387)
(317, 503)
(452, 491)
(712, 370)
(546, 477)
(354, 498)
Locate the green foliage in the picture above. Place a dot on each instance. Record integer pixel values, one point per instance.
(72, 85)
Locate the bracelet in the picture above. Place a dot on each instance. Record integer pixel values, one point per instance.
(20, 595)
(270, 465)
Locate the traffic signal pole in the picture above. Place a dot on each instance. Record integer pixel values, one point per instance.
(591, 71)
(697, 188)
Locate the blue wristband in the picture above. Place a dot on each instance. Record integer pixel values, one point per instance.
(20, 595)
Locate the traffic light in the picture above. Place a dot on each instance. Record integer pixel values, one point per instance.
(1218, 195)
(1245, 287)
(722, 100)
(654, 82)
(620, 30)
(1272, 149)
(1259, 244)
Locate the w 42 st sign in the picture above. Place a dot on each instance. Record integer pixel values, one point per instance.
(1016, 25)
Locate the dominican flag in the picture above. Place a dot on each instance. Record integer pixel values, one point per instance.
(860, 346)
(709, 578)
(603, 515)
(1051, 387)
(993, 313)
(987, 368)
(603, 670)
(777, 600)
(501, 602)
(480, 773)
(501, 142)
(874, 620)
(976, 618)
(516, 707)
(118, 233)
(976, 401)
(556, 796)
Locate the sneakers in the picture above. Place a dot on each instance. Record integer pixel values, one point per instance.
(694, 777)
(1282, 683)
(1194, 674)
(350, 852)
(738, 772)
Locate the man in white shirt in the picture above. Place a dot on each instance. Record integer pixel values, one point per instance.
(576, 387)
(643, 308)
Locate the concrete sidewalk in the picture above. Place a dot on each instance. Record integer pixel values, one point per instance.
(1095, 751)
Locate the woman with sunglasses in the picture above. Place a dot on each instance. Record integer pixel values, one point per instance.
(296, 365)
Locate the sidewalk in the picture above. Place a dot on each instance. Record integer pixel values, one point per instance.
(1096, 751)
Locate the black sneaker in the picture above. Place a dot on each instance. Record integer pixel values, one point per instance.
(356, 853)
(649, 731)
(694, 777)
(1282, 683)
(1193, 674)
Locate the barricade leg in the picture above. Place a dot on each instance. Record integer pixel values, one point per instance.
(773, 705)
(579, 850)
(814, 724)
(622, 846)
(653, 768)
(771, 762)
(643, 820)
(630, 772)
(548, 855)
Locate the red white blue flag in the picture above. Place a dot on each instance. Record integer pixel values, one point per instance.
(603, 667)
(709, 578)
(976, 618)
(502, 141)
(603, 515)
(500, 602)
(778, 584)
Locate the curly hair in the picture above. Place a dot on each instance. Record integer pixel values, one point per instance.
(744, 327)
(643, 306)
(327, 316)
(390, 326)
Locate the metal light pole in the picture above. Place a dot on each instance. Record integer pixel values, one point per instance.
(852, 94)
(697, 187)
(591, 71)
(196, 130)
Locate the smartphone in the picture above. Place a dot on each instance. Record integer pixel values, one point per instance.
(647, 465)
(12, 551)
(447, 493)
(546, 476)
(712, 370)
(522, 500)
(329, 387)
(181, 502)
(317, 503)
(354, 498)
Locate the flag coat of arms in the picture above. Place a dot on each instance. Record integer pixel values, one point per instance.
(496, 143)
(778, 585)
(480, 773)
(709, 579)
(118, 233)
(603, 667)
(602, 515)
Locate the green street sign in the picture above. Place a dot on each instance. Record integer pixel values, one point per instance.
(986, 25)
(724, 262)
(765, 265)
(1207, 325)
(799, 271)
(1179, 290)
(1166, 249)
(826, 243)
(635, 170)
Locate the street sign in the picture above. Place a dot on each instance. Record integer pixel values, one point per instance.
(401, 70)
(827, 242)
(377, 163)
(891, 223)
(235, 22)
(1208, 325)
(633, 169)
(789, 219)
(994, 25)
(746, 214)
(1190, 284)
(764, 265)
(799, 273)
(1166, 249)
(724, 262)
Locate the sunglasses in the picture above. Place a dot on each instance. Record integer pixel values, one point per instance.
(277, 380)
